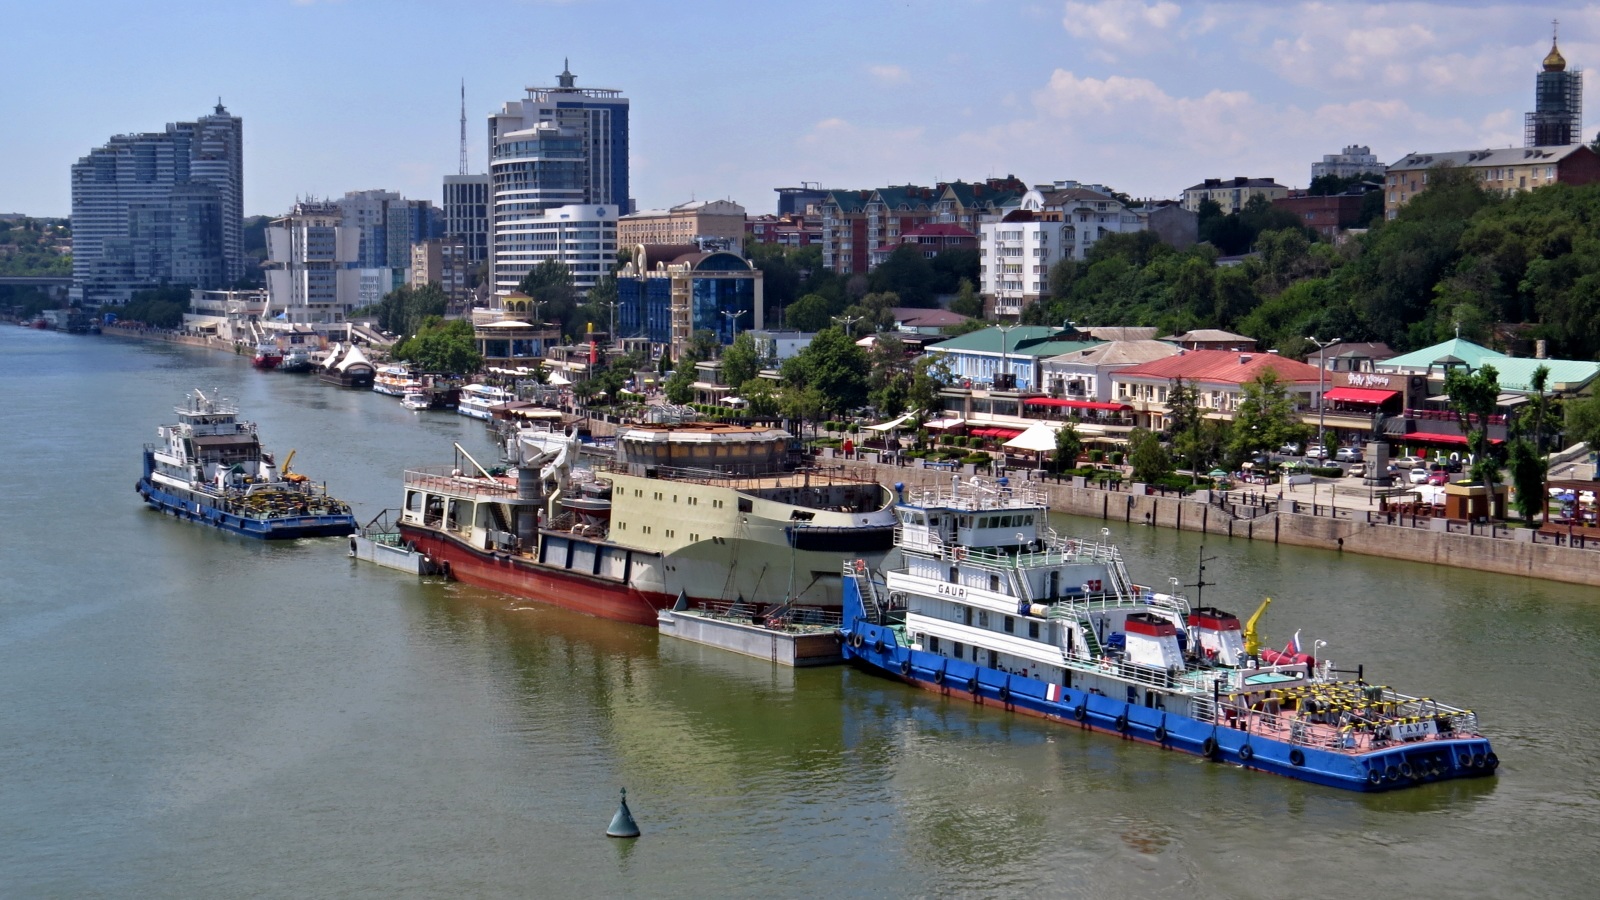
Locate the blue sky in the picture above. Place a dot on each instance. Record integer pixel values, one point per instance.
(733, 99)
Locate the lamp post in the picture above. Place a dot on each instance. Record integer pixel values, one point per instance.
(733, 319)
(1322, 404)
(849, 323)
(1005, 333)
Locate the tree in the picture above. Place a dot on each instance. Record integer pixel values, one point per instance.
(1528, 476)
(549, 285)
(1069, 445)
(1265, 417)
(403, 310)
(929, 374)
(1583, 421)
(834, 367)
(1148, 457)
(953, 266)
(740, 362)
(1183, 421)
(967, 302)
(809, 313)
(441, 348)
(1474, 397)
(763, 396)
(907, 273)
(890, 378)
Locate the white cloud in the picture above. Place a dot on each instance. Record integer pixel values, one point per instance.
(1120, 24)
(889, 74)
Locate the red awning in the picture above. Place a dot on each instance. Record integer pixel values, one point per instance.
(1063, 403)
(1425, 437)
(1360, 395)
(994, 432)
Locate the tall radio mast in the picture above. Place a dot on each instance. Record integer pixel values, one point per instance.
(463, 126)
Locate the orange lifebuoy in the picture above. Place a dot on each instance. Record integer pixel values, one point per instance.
(861, 565)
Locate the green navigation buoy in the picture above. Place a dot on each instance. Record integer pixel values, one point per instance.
(622, 824)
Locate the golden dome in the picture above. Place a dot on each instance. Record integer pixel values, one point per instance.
(1555, 62)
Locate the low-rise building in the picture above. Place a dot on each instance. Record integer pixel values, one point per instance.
(1219, 377)
(932, 239)
(668, 292)
(1005, 358)
(1504, 171)
(1213, 339)
(1085, 375)
(1353, 160)
(1232, 193)
(788, 230)
(1049, 223)
(1327, 215)
(687, 223)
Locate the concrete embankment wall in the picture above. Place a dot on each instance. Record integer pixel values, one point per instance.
(1355, 534)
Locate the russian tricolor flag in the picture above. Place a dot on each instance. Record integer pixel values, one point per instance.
(1294, 644)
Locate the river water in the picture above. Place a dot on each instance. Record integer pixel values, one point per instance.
(185, 713)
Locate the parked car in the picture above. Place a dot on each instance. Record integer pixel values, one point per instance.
(1289, 449)
(1438, 477)
(1407, 462)
(1356, 470)
(1316, 451)
(1348, 454)
(1419, 475)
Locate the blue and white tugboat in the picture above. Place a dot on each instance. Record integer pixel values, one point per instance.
(209, 468)
(991, 604)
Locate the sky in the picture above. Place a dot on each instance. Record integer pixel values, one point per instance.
(734, 99)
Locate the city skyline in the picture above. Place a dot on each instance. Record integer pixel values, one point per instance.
(1146, 97)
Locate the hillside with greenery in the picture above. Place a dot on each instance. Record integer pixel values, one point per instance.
(29, 247)
(1456, 257)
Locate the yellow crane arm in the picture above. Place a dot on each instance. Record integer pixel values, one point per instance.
(284, 469)
(1252, 638)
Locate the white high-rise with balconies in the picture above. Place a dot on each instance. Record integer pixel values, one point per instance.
(562, 146)
(1051, 223)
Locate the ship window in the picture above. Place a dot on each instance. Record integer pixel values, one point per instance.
(966, 616)
(994, 583)
(658, 495)
(413, 501)
(953, 574)
(956, 652)
(1011, 625)
(693, 536)
(745, 505)
(933, 644)
(669, 532)
(1033, 630)
(983, 618)
(994, 659)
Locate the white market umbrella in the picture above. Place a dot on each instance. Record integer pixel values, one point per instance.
(1039, 438)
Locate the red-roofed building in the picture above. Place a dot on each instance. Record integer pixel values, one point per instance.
(1219, 375)
(931, 239)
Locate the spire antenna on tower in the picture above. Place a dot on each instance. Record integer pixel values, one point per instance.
(463, 126)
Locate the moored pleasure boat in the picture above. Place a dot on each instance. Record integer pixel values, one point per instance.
(296, 360)
(478, 400)
(709, 513)
(209, 468)
(991, 604)
(395, 380)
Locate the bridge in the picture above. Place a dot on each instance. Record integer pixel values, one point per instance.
(54, 286)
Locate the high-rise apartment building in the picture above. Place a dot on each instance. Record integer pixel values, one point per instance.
(560, 146)
(313, 276)
(160, 208)
(1353, 160)
(1557, 117)
(466, 213)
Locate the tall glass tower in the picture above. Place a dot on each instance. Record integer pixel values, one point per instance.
(160, 208)
(559, 146)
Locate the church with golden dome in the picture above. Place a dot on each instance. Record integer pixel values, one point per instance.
(1557, 117)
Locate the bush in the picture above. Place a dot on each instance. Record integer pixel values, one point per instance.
(1096, 455)
(1116, 457)
(1327, 471)
(853, 428)
(976, 459)
(1172, 482)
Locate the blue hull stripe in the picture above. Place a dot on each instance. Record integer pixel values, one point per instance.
(280, 528)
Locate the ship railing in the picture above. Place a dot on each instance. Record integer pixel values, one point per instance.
(981, 493)
(1150, 676)
(449, 480)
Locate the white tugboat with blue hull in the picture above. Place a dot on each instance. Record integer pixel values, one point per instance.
(992, 604)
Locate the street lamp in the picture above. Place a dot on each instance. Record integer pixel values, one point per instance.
(733, 319)
(1322, 404)
(849, 323)
(1005, 333)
